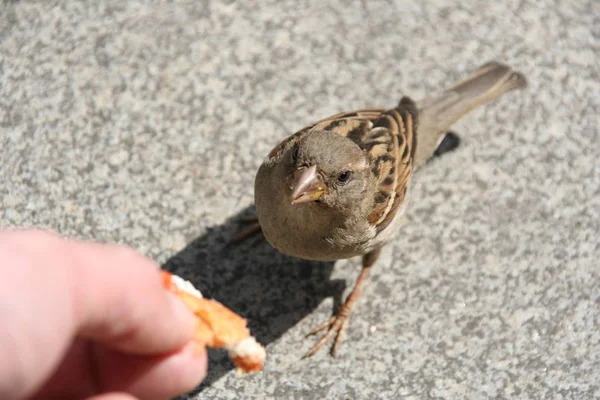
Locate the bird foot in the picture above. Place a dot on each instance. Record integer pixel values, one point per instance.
(335, 326)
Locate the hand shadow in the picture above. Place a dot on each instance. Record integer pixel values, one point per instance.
(271, 290)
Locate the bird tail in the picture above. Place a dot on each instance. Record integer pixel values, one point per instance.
(437, 114)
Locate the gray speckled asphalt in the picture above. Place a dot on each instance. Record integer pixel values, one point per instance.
(143, 123)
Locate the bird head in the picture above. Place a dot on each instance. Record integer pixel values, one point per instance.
(328, 170)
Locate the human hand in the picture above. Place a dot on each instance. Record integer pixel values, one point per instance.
(87, 320)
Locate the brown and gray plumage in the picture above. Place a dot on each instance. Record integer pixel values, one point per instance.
(339, 187)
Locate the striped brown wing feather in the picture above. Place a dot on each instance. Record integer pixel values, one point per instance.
(365, 113)
(396, 167)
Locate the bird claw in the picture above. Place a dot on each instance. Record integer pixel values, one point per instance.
(324, 325)
(336, 325)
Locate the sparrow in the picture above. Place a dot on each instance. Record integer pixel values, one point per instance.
(340, 187)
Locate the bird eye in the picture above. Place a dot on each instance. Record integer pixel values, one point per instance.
(295, 152)
(344, 177)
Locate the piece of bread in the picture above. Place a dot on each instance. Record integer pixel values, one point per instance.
(218, 326)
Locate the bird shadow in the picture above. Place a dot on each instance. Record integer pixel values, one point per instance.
(272, 291)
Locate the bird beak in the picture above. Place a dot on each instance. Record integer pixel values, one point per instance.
(308, 185)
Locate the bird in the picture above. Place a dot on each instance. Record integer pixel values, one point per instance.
(339, 188)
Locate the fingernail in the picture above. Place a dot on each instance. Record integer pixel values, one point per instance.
(183, 314)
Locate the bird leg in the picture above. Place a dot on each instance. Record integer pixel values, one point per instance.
(336, 324)
(253, 230)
